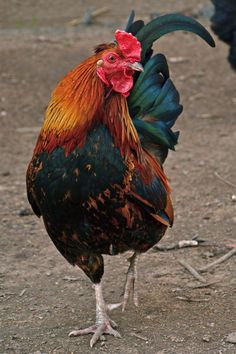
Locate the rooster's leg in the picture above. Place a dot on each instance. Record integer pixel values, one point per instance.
(131, 281)
(103, 325)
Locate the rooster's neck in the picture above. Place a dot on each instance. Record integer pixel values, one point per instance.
(118, 121)
(75, 105)
(78, 103)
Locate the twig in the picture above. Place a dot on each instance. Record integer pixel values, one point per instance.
(68, 278)
(206, 285)
(6, 294)
(177, 60)
(193, 271)
(22, 292)
(219, 260)
(187, 243)
(224, 180)
(89, 17)
(177, 245)
(138, 336)
(189, 299)
(172, 246)
(195, 237)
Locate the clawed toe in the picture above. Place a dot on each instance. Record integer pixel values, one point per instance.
(104, 328)
(81, 332)
(110, 307)
(98, 331)
(113, 323)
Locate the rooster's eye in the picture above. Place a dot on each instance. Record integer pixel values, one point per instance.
(111, 58)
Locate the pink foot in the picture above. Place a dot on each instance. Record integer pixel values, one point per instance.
(97, 330)
(104, 325)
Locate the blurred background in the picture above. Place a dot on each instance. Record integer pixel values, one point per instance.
(42, 297)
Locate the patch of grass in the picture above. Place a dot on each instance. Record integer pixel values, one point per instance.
(23, 23)
(20, 23)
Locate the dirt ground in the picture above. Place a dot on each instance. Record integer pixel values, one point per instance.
(42, 298)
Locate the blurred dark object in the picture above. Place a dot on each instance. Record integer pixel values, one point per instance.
(224, 25)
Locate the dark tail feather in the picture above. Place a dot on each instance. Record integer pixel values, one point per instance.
(133, 27)
(130, 21)
(154, 102)
(167, 24)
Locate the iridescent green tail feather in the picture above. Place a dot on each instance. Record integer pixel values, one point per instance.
(154, 102)
(155, 96)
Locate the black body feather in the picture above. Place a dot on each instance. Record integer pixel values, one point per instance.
(83, 196)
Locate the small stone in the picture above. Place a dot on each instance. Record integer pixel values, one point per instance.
(41, 38)
(233, 198)
(3, 113)
(206, 338)
(14, 337)
(231, 338)
(25, 212)
(208, 254)
(6, 173)
(206, 217)
(176, 339)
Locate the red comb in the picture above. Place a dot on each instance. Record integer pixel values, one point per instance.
(129, 45)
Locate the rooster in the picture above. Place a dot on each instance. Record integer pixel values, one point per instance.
(96, 174)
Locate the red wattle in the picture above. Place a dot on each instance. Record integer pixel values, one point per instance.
(121, 83)
(101, 74)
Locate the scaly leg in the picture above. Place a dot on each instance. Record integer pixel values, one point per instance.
(131, 281)
(103, 325)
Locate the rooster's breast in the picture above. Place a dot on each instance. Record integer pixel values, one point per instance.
(84, 199)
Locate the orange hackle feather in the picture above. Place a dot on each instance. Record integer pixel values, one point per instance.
(75, 105)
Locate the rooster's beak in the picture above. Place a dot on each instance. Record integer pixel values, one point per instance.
(136, 66)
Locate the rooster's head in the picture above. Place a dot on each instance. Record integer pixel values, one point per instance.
(117, 64)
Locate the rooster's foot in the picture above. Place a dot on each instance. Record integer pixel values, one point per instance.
(106, 327)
